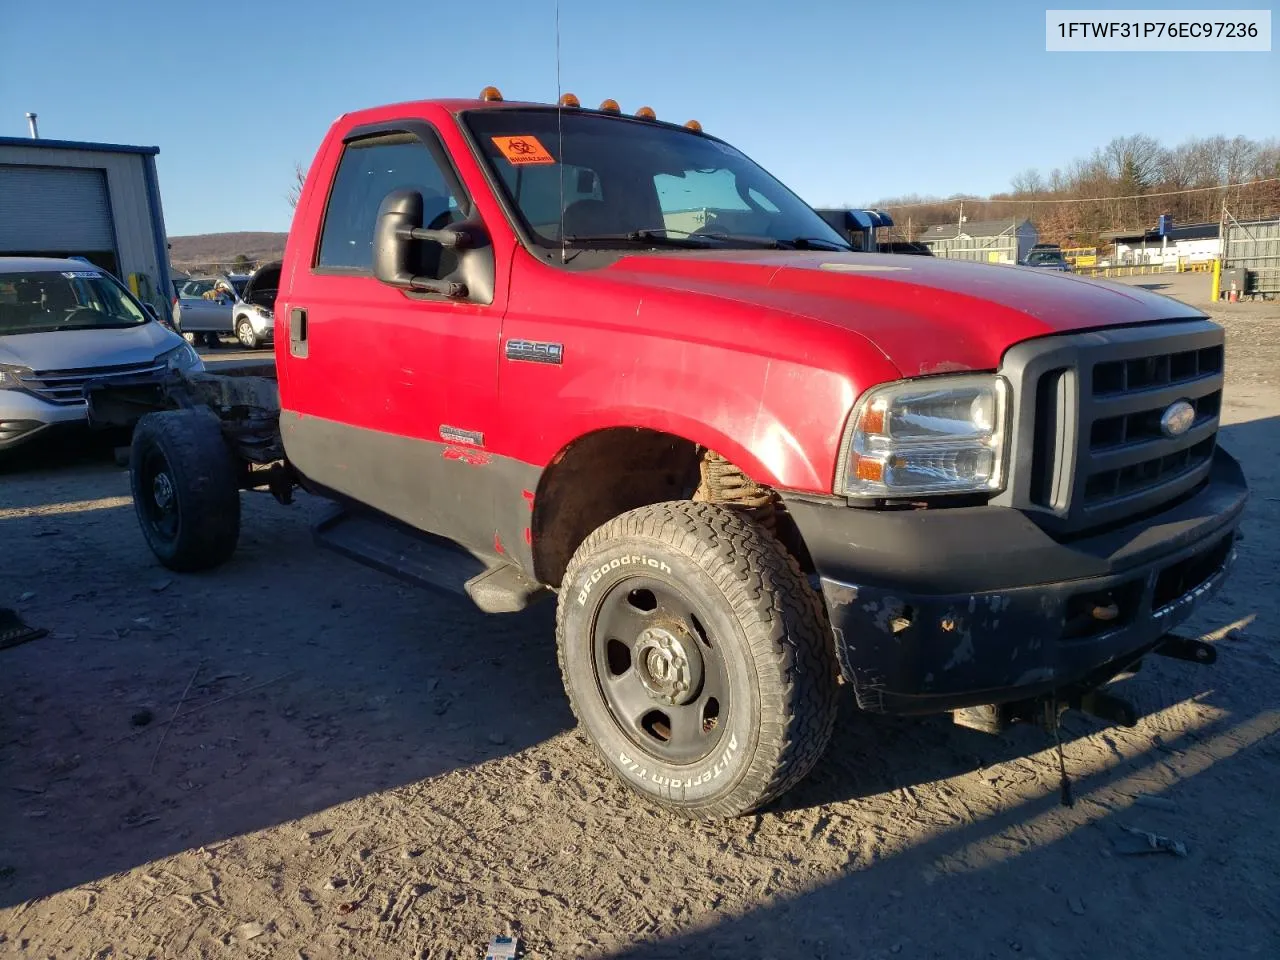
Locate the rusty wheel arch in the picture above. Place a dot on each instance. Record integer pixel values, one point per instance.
(607, 473)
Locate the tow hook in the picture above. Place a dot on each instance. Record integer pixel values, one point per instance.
(1185, 648)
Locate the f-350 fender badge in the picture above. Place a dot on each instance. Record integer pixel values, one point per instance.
(535, 351)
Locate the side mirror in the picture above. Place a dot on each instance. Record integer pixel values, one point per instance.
(398, 228)
(398, 214)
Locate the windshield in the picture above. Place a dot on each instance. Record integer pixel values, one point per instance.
(68, 300)
(1045, 256)
(626, 181)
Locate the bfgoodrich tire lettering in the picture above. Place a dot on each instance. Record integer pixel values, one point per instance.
(756, 631)
(185, 489)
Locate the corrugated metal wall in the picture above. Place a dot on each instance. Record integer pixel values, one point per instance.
(126, 180)
(54, 208)
(1001, 249)
(1256, 247)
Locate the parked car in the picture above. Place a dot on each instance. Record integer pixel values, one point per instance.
(252, 314)
(1047, 258)
(64, 323)
(204, 308)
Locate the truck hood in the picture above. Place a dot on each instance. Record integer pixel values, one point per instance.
(927, 315)
(86, 349)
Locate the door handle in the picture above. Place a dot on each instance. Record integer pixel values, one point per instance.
(298, 332)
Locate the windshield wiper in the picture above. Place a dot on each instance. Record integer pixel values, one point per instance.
(700, 241)
(655, 237)
(817, 243)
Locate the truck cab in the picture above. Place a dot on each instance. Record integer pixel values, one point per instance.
(534, 350)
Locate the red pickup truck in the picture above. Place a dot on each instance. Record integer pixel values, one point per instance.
(530, 349)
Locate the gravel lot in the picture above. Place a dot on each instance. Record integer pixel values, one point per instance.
(357, 768)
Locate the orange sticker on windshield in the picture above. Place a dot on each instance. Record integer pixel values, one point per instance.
(520, 150)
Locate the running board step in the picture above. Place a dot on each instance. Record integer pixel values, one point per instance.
(428, 561)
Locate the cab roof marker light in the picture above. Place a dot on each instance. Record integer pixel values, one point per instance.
(646, 113)
(492, 94)
(610, 106)
(570, 100)
(693, 125)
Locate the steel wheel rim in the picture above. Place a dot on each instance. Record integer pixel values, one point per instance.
(159, 496)
(659, 671)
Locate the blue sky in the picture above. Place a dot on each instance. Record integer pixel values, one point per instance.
(845, 101)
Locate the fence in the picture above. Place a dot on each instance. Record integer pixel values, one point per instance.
(1179, 265)
(1255, 247)
(998, 249)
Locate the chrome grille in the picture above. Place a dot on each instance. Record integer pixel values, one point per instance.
(67, 386)
(1088, 446)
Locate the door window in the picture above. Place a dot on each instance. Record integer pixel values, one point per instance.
(368, 171)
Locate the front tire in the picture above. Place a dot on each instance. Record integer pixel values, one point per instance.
(186, 491)
(244, 333)
(696, 658)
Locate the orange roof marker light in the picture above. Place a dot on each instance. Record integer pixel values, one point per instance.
(570, 100)
(491, 93)
(610, 106)
(646, 113)
(693, 125)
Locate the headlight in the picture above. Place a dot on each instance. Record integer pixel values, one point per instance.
(183, 359)
(9, 376)
(925, 437)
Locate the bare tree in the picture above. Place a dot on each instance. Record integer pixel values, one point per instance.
(1108, 189)
(1028, 182)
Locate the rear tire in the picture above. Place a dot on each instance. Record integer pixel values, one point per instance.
(186, 491)
(696, 658)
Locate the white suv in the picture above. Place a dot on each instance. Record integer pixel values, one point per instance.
(64, 323)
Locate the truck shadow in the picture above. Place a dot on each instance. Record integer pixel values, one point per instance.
(299, 680)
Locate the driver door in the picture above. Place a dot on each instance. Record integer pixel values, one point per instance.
(386, 384)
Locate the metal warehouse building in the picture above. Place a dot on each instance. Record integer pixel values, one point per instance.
(99, 201)
(988, 241)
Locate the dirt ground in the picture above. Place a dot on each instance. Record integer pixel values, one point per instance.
(358, 768)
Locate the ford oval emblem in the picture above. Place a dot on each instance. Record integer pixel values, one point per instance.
(1177, 420)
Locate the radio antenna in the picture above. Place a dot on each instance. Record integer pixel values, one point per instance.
(560, 136)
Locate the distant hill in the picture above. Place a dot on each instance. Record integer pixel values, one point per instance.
(213, 251)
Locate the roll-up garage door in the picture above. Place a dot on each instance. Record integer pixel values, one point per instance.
(54, 208)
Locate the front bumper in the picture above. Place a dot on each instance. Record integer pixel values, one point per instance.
(936, 610)
(264, 328)
(24, 417)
